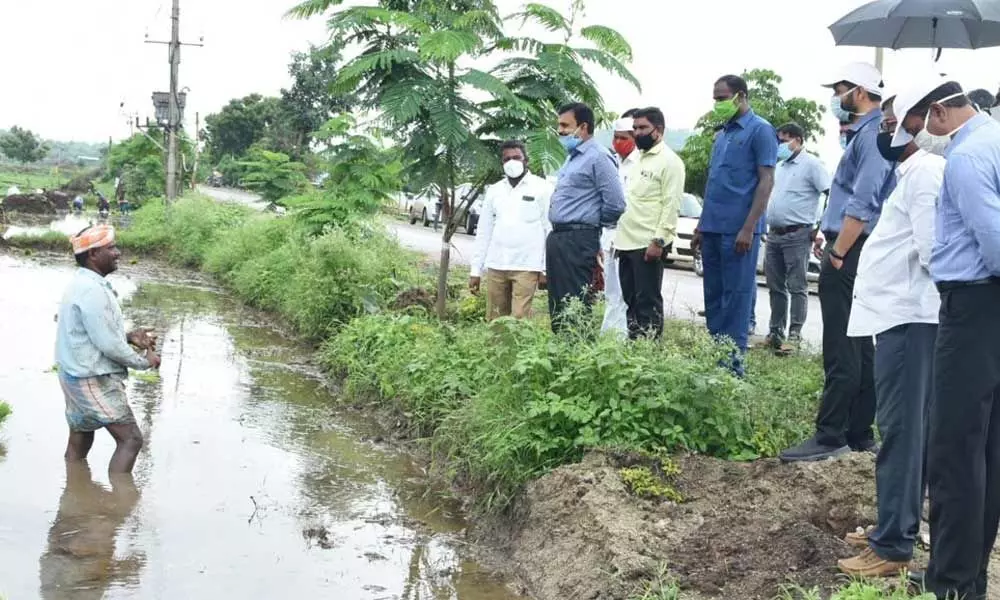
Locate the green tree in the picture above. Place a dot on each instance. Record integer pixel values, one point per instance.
(415, 74)
(361, 177)
(766, 101)
(23, 146)
(273, 174)
(309, 102)
(139, 160)
(246, 121)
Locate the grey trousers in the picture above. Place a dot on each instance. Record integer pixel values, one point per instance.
(904, 383)
(786, 263)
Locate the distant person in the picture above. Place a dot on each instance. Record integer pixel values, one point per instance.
(103, 206)
(800, 181)
(588, 196)
(93, 353)
(982, 100)
(864, 179)
(649, 225)
(740, 178)
(78, 203)
(615, 309)
(895, 300)
(510, 239)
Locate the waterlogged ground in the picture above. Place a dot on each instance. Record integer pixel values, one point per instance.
(251, 484)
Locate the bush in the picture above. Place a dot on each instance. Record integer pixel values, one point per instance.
(5, 411)
(506, 402)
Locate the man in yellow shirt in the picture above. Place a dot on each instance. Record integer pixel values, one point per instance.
(647, 228)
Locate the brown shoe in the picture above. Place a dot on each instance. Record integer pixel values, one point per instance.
(868, 564)
(859, 537)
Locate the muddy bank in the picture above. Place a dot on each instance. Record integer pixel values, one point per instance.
(742, 531)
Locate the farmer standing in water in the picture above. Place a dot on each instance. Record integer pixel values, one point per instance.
(93, 353)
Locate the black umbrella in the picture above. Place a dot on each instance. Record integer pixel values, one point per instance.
(921, 24)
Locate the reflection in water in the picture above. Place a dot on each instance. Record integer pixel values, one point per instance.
(79, 561)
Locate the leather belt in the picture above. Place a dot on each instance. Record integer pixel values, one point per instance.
(947, 286)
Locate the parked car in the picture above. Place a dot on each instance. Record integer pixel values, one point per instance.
(687, 220)
(425, 207)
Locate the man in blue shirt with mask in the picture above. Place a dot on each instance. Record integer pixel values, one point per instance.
(587, 198)
(963, 444)
(740, 178)
(864, 179)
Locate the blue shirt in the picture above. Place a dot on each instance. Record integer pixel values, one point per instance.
(588, 189)
(863, 179)
(744, 144)
(967, 235)
(90, 335)
(798, 184)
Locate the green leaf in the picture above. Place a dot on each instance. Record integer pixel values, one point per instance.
(608, 40)
(447, 45)
(486, 82)
(610, 63)
(550, 18)
(311, 8)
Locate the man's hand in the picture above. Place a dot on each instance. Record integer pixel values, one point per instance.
(474, 285)
(142, 338)
(836, 262)
(818, 243)
(153, 358)
(653, 252)
(744, 240)
(543, 282)
(695, 241)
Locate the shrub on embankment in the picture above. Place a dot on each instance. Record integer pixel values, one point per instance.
(505, 403)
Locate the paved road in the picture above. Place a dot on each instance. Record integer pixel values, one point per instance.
(682, 289)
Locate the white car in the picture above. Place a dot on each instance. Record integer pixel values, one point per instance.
(687, 220)
(812, 271)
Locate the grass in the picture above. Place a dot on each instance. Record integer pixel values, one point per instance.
(859, 590)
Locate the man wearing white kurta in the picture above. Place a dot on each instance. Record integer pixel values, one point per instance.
(896, 301)
(615, 309)
(510, 241)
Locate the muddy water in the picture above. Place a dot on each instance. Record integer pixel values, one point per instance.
(68, 223)
(250, 485)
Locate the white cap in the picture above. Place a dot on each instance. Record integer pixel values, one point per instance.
(861, 74)
(624, 125)
(908, 98)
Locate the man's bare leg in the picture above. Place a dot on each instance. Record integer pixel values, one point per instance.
(79, 445)
(129, 440)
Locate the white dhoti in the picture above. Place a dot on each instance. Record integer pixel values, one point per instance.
(615, 310)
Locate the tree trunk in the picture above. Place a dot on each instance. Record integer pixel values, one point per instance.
(442, 291)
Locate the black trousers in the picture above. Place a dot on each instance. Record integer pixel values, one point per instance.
(963, 445)
(642, 289)
(847, 411)
(570, 263)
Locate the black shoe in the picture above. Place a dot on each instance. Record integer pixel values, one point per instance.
(916, 579)
(811, 450)
(701, 313)
(869, 446)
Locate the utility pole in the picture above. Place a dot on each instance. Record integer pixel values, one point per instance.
(197, 133)
(879, 55)
(173, 121)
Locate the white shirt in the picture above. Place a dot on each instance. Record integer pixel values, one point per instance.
(626, 164)
(894, 284)
(513, 225)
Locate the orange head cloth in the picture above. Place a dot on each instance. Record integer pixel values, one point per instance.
(97, 236)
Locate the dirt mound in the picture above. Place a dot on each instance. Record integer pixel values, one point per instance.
(28, 203)
(414, 297)
(743, 530)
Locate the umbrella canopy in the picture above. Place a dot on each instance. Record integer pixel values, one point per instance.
(921, 24)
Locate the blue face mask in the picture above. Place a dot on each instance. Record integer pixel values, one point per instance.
(570, 141)
(843, 115)
(785, 151)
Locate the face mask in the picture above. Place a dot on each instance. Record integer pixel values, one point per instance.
(570, 141)
(785, 151)
(927, 118)
(645, 142)
(623, 147)
(843, 141)
(838, 109)
(884, 142)
(725, 110)
(935, 144)
(513, 168)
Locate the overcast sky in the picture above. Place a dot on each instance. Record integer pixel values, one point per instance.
(68, 65)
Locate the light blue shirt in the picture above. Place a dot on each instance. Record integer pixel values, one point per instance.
(863, 179)
(588, 189)
(90, 336)
(967, 236)
(798, 184)
(745, 144)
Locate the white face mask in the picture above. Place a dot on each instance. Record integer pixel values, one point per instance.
(513, 168)
(935, 144)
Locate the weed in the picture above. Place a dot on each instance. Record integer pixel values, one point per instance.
(858, 589)
(5, 411)
(642, 482)
(662, 587)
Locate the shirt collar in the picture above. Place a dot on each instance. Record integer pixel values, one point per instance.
(656, 149)
(866, 119)
(966, 130)
(743, 120)
(93, 275)
(584, 147)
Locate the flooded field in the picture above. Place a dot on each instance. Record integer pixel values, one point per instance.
(251, 483)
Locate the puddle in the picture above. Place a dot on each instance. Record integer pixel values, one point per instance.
(67, 223)
(250, 485)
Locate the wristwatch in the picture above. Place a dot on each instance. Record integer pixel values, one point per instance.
(660, 242)
(834, 254)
